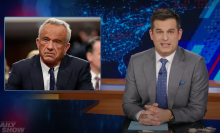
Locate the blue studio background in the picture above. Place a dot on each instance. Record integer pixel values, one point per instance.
(124, 32)
(125, 25)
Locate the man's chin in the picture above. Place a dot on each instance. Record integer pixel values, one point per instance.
(167, 53)
(48, 60)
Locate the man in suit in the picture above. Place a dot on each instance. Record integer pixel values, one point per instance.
(93, 56)
(166, 83)
(86, 33)
(52, 68)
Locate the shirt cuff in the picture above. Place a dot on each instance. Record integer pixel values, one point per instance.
(137, 115)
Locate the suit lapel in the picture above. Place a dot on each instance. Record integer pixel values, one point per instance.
(63, 74)
(149, 67)
(36, 74)
(176, 72)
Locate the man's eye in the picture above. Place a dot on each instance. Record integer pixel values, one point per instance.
(45, 39)
(159, 31)
(57, 42)
(170, 31)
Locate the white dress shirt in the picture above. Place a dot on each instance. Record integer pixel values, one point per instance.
(46, 75)
(168, 65)
(94, 80)
(158, 66)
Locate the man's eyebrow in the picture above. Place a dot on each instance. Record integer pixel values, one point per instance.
(58, 40)
(168, 29)
(45, 37)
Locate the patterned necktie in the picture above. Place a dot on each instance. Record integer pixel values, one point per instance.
(97, 83)
(52, 81)
(162, 85)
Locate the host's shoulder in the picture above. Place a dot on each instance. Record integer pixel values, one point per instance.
(144, 54)
(190, 55)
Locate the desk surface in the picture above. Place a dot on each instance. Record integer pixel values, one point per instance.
(110, 102)
(179, 128)
(212, 83)
(38, 116)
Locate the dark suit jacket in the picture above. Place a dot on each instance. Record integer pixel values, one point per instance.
(187, 86)
(73, 74)
(79, 51)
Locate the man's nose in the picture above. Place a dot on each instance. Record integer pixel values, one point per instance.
(50, 45)
(165, 37)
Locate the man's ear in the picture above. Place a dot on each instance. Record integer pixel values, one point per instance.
(151, 34)
(38, 42)
(180, 33)
(89, 56)
(67, 46)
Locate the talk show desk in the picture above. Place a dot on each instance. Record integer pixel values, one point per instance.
(97, 111)
(110, 102)
(71, 116)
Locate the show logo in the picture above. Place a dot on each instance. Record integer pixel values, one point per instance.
(10, 127)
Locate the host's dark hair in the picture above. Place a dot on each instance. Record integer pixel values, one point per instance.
(91, 42)
(164, 14)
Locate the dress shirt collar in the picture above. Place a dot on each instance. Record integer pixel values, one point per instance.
(169, 58)
(94, 75)
(45, 68)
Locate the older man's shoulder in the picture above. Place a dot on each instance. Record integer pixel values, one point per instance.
(27, 62)
(76, 59)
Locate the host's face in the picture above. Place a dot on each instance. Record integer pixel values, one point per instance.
(165, 36)
(51, 44)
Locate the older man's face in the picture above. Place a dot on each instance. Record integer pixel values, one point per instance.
(51, 44)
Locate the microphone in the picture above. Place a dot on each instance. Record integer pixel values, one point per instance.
(160, 73)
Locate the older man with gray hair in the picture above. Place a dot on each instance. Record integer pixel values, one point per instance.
(52, 68)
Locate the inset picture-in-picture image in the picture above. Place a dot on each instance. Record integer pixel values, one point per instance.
(60, 53)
